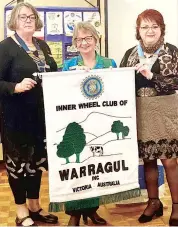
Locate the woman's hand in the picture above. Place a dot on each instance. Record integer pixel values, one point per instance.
(144, 70)
(26, 85)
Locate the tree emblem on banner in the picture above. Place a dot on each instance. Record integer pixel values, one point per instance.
(118, 128)
(73, 142)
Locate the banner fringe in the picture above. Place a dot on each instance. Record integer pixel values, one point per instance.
(94, 202)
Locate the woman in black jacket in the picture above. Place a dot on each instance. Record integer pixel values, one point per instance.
(23, 112)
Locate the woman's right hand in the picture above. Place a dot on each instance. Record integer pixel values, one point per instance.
(25, 85)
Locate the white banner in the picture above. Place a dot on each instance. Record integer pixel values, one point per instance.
(91, 133)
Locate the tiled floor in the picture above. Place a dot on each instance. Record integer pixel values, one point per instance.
(127, 215)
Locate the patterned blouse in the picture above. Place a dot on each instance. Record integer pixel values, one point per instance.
(165, 69)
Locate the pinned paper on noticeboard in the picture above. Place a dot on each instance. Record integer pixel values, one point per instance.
(56, 49)
(94, 19)
(54, 23)
(40, 33)
(8, 31)
(70, 19)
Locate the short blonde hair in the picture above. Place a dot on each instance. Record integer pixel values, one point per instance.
(86, 26)
(12, 23)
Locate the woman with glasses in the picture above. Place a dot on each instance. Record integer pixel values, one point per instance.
(156, 78)
(85, 39)
(23, 112)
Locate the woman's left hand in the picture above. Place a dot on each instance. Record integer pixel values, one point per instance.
(144, 70)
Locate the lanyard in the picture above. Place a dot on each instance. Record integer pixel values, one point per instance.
(23, 44)
(144, 60)
(39, 62)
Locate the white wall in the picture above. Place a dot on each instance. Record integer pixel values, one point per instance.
(122, 15)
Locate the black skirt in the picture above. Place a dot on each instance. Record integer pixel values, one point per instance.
(23, 139)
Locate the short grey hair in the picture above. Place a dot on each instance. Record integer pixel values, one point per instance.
(86, 26)
(12, 23)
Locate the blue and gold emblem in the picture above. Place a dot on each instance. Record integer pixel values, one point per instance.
(92, 87)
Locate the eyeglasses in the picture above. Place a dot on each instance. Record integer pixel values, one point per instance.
(24, 17)
(146, 28)
(88, 39)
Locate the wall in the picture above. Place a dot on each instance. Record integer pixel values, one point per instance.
(122, 17)
(66, 3)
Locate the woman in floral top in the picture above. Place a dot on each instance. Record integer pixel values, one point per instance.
(156, 79)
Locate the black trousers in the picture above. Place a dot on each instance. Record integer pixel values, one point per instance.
(86, 211)
(25, 187)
